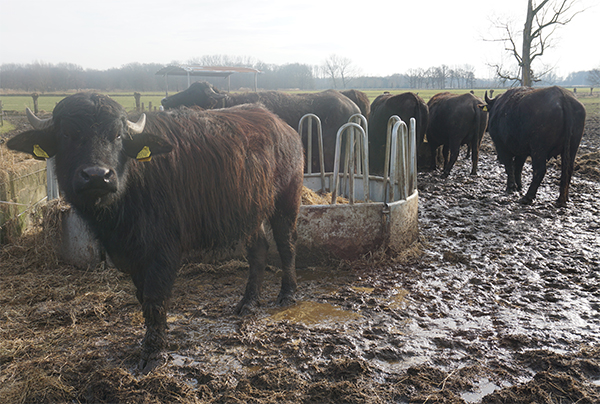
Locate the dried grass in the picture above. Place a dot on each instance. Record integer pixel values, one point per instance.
(310, 197)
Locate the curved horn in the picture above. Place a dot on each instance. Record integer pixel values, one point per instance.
(213, 94)
(137, 127)
(37, 123)
(487, 99)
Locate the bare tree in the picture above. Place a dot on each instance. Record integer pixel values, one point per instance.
(541, 22)
(594, 77)
(341, 68)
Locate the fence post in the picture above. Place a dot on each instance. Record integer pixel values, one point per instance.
(35, 97)
(1, 115)
(137, 97)
(51, 180)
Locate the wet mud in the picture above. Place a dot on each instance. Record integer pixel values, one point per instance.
(496, 303)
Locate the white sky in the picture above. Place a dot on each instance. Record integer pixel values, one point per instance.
(380, 37)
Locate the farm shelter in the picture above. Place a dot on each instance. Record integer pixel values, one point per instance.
(205, 71)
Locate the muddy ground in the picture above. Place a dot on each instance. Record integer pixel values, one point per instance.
(497, 303)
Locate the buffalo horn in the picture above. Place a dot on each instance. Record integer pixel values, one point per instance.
(486, 98)
(212, 93)
(37, 123)
(137, 127)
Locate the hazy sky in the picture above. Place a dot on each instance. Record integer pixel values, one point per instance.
(379, 37)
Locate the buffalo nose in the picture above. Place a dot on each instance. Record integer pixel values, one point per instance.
(96, 174)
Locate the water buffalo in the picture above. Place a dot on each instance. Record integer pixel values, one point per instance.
(406, 105)
(214, 178)
(454, 120)
(332, 107)
(361, 99)
(541, 123)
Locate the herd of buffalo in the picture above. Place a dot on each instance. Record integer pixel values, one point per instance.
(213, 167)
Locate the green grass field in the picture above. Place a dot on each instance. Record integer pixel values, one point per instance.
(47, 102)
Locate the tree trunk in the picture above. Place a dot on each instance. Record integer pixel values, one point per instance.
(526, 79)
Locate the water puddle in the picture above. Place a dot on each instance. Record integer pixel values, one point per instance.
(311, 313)
(483, 388)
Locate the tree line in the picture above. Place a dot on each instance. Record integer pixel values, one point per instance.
(335, 73)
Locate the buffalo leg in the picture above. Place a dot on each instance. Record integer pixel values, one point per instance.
(284, 232)
(433, 155)
(509, 168)
(518, 163)
(153, 291)
(539, 171)
(257, 259)
(451, 160)
(567, 161)
(474, 148)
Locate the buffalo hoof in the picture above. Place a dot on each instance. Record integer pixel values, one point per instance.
(561, 204)
(526, 200)
(150, 361)
(246, 306)
(444, 175)
(285, 299)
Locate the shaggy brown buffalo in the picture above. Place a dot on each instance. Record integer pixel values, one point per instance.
(330, 106)
(214, 178)
(406, 105)
(455, 120)
(361, 99)
(541, 123)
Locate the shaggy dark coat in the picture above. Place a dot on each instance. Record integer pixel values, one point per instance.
(361, 99)
(541, 123)
(406, 105)
(333, 108)
(455, 120)
(214, 178)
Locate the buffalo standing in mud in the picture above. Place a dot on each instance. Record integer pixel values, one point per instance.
(333, 108)
(214, 178)
(541, 123)
(455, 120)
(406, 105)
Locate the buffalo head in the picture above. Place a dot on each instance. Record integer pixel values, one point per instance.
(93, 142)
(200, 94)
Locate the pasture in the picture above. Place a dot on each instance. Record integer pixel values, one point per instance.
(46, 102)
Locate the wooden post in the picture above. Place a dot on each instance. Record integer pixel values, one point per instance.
(149, 106)
(1, 115)
(35, 97)
(137, 96)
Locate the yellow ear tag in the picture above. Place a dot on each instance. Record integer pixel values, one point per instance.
(485, 108)
(144, 154)
(39, 152)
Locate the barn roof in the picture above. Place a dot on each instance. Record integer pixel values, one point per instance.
(207, 71)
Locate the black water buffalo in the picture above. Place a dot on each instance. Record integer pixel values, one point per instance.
(541, 123)
(454, 120)
(332, 107)
(214, 178)
(406, 105)
(361, 99)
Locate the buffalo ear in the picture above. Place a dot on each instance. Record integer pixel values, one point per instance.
(39, 143)
(484, 107)
(145, 145)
